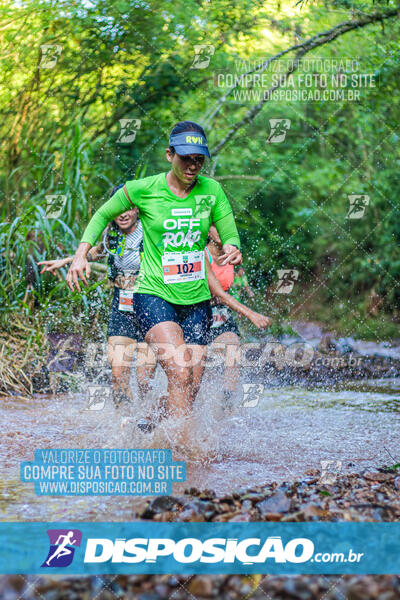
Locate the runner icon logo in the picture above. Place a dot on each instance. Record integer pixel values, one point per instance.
(251, 394)
(279, 129)
(62, 547)
(204, 204)
(97, 396)
(202, 56)
(129, 128)
(358, 203)
(287, 278)
(55, 205)
(50, 54)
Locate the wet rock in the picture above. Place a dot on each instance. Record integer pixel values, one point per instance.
(359, 590)
(16, 582)
(192, 491)
(190, 514)
(253, 496)
(247, 505)
(207, 495)
(201, 506)
(161, 504)
(234, 582)
(165, 517)
(184, 500)
(240, 518)
(225, 517)
(162, 590)
(327, 343)
(297, 589)
(245, 590)
(344, 345)
(278, 503)
(377, 476)
(228, 498)
(310, 512)
(209, 515)
(201, 585)
(272, 516)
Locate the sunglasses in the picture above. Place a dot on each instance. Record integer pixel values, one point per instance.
(189, 159)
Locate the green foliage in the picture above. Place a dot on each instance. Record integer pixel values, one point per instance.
(60, 128)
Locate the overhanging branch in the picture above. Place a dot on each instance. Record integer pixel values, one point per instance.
(320, 39)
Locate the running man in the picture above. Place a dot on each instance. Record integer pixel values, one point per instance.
(171, 299)
(62, 549)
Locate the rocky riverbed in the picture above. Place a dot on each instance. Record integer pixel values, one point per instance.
(191, 587)
(370, 495)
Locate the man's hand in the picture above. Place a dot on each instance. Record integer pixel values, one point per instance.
(79, 268)
(260, 321)
(76, 272)
(53, 265)
(232, 255)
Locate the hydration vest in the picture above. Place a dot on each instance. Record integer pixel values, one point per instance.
(114, 244)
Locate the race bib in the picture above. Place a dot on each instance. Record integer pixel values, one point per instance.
(220, 315)
(183, 266)
(126, 300)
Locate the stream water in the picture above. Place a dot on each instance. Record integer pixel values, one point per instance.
(354, 425)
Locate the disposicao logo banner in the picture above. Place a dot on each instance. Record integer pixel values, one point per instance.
(148, 548)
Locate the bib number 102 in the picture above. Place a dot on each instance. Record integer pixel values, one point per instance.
(185, 268)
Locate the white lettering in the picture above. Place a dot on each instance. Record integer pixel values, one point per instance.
(290, 550)
(190, 550)
(107, 549)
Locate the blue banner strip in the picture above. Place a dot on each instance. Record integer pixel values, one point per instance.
(182, 548)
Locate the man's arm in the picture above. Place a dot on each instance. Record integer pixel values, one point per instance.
(51, 266)
(218, 292)
(80, 268)
(228, 233)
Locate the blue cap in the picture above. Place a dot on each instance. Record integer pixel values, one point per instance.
(189, 142)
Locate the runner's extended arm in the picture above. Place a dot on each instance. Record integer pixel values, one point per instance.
(216, 290)
(115, 206)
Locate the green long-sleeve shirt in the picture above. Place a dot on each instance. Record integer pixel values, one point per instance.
(171, 224)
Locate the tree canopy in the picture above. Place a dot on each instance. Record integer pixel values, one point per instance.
(76, 73)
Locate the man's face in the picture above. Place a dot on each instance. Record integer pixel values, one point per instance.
(127, 219)
(185, 168)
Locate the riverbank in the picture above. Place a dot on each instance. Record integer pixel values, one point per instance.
(191, 587)
(370, 495)
(334, 493)
(310, 355)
